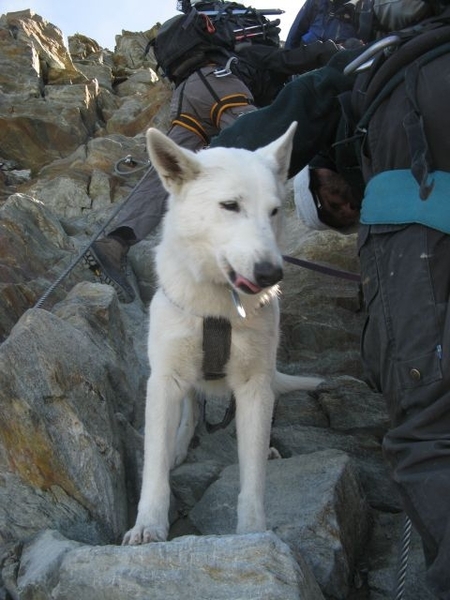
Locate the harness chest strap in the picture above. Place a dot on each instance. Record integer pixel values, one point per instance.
(216, 354)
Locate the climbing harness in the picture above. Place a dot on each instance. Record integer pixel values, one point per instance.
(190, 122)
(225, 103)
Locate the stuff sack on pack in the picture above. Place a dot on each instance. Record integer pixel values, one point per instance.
(397, 14)
(184, 43)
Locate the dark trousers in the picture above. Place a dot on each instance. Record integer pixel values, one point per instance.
(406, 352)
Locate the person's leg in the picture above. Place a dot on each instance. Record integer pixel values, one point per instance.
(406, 349)
(146, 205)
(141, 214)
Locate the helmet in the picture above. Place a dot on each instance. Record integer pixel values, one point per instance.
(304, 201)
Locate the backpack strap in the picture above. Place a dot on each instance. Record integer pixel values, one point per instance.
(365, 20)
(374, 97)
(414, 43)
(413, 123)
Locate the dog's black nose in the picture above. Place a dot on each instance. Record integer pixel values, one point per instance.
(267, 274)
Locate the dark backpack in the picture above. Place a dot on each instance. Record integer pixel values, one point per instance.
(408, 54)
(209, 32)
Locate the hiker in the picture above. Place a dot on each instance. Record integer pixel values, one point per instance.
(320, 20)
(253, 80)
(403, 244)
(324, 199)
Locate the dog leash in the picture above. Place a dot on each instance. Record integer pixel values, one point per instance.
(227, 418)
(327, 270)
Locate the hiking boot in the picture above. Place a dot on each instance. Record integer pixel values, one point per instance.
(107, 258)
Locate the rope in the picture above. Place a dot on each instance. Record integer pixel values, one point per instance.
(403, 559)
(79, 257)
(136, 165)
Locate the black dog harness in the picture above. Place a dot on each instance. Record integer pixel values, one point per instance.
(216, 347)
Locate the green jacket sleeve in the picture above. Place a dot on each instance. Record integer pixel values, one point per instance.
(311, 99)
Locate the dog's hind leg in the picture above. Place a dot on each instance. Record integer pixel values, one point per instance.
(162, 418)
(254, 406)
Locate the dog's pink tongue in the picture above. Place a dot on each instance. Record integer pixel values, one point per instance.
(242, 281)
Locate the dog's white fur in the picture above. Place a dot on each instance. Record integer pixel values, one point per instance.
(220, 233)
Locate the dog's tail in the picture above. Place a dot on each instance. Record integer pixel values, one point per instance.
(284, 383)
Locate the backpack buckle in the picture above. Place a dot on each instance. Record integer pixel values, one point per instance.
(225, 71)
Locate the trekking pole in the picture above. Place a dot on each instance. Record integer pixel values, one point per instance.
(244, 33)
(81, 254)
(246, 36)
(403, 559)
(185, 6)
(251, 28)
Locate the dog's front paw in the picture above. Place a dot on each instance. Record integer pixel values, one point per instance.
(141, 534)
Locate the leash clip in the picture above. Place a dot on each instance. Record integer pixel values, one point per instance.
(238, 304)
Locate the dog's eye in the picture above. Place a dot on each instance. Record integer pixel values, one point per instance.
(232, 205)
(274, 212)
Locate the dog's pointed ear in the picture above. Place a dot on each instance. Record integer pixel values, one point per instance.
(175, 165)
(280, 150)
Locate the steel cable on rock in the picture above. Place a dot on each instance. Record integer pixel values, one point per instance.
(80, 256)
(403, 559)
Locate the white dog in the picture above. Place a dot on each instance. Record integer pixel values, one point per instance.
(218, 266)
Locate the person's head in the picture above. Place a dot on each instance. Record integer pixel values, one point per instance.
(325, 200)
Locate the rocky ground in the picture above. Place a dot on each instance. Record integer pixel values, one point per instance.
(73, 370)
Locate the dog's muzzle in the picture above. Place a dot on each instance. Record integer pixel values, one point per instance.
(265, 274)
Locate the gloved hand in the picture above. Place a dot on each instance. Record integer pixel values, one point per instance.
(351, 43)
